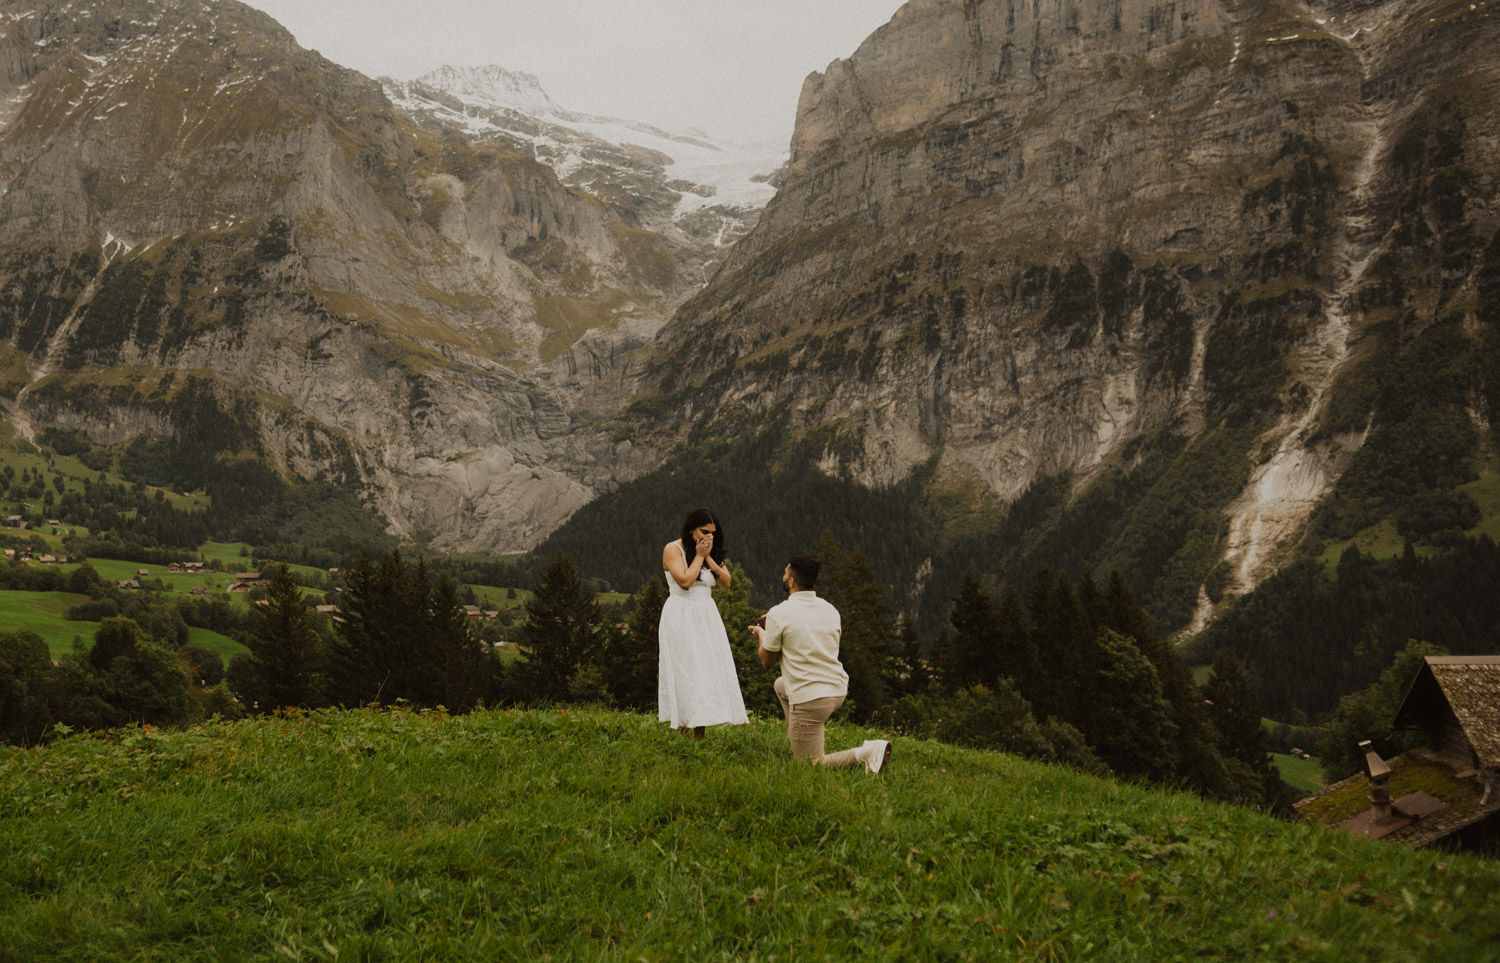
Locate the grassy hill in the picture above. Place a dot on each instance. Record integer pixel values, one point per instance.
(603, 836)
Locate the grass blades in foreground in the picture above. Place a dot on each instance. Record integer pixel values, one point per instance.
(602, 836)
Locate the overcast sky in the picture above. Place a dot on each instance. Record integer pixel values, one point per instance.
(732, 67)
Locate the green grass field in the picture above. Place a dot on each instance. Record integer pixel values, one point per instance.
(492, 597)
(214, 642)
(42, 613)
(1383, 541)
(1305, 775)
(603, 836)
(72, 470)
(228, 553)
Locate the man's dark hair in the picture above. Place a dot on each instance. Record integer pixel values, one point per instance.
(805, 570)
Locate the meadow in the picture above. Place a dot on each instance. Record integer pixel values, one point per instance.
(1304, 775)
(597, 835)
(44, 613)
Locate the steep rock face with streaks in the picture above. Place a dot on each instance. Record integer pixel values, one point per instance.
(1085, 237)
(189, 197)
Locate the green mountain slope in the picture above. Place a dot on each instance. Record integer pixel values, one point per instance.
(593, 835)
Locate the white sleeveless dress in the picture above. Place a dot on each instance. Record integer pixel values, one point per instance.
(697, 684)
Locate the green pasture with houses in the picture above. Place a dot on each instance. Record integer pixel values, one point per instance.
(180, 583)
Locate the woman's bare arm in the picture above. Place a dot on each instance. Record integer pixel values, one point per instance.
(683, 573)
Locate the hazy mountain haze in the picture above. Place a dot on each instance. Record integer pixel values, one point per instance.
(733, 69)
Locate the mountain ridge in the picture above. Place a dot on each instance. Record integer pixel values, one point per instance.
(186, 190)
(1135, 220)
(1150, 263)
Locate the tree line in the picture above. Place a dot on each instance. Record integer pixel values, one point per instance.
(1072, 674)
(1311, 637)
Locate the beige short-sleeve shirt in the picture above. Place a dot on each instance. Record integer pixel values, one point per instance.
(805, 630)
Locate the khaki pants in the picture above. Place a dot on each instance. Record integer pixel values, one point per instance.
(804, 729)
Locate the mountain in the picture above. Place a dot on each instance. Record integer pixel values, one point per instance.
(214, 241)
(698, 193)
(1166, 278)
(1175, 287)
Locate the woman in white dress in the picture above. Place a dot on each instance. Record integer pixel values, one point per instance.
(698, 685)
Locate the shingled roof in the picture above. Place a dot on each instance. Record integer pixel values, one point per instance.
(1437, 791)
(1413, 774)
(1470, 685)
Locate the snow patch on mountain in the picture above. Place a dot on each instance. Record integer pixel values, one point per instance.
(495, 102)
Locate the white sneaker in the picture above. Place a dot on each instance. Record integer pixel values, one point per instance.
(876, 754)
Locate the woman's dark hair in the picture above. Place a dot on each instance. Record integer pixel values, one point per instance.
(697, 517)
(805, 570)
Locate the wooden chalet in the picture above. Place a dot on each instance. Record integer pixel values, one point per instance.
(1446, 793)
(245, 581)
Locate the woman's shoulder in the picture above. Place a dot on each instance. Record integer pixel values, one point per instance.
(668, 547)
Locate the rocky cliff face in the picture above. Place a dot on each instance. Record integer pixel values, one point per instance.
(188, 193)
(696, 193)
(1050, 236)
(1154, 241)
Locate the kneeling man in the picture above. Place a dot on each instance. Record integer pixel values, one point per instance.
(804, 633)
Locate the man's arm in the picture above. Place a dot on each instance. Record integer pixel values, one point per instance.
(767, 656)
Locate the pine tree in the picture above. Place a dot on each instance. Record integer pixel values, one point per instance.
(25, 688)
(384, 649)
(560, 636)
(756, 681)
(970, 653)
(1017, 659)
(1132, 728)
(1194, 754)
(286, 651)
(912, 674)
(1235, 714)
(364, 655)
(467, 673)
(631, 659)
(1060, 634)
(847, 581)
